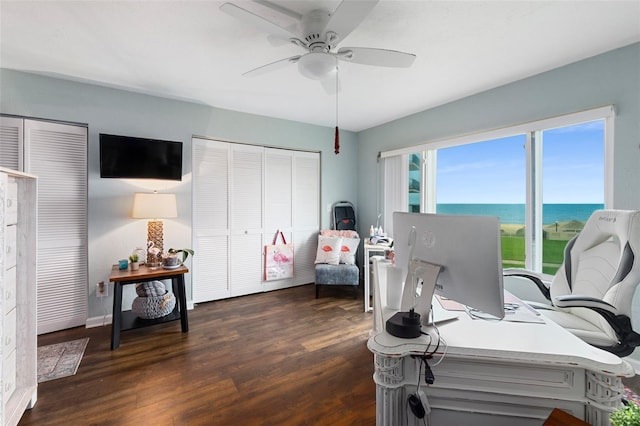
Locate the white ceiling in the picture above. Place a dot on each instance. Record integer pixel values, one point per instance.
(191, 50)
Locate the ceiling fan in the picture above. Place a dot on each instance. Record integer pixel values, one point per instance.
(319, 32)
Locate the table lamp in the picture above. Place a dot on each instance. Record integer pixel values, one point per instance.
(154, 206)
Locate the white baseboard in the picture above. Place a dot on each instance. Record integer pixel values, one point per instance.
(98, 321)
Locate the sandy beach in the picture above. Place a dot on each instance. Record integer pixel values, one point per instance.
(509, 228)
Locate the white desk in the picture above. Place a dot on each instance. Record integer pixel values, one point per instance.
(368, 250)
(496, 373)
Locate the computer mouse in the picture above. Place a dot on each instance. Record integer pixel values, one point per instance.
(416, 406)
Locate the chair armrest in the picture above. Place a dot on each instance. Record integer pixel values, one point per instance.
(532, 276)
(578, 301)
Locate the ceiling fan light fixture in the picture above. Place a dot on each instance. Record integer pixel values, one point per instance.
(317, 65)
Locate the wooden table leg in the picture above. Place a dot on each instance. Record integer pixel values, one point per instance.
(116, 319)
(178, 281)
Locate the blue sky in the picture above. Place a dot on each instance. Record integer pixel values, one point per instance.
(494, 171)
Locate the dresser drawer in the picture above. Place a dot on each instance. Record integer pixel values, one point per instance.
(8, 376)
(10, 247)
(9, 290)
(9, 333)
(11, 203)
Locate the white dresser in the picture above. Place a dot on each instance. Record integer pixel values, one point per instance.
(18, 349)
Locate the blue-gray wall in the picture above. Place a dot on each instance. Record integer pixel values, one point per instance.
(112, 233)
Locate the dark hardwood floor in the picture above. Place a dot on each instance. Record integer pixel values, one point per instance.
(278, 358)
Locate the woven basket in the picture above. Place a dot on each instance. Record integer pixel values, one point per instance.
(154, 306)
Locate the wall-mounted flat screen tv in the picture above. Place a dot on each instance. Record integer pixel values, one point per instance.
(129, 157)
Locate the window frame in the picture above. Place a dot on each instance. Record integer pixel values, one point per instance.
(533, 158)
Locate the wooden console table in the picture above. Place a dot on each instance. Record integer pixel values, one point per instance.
(127, 320)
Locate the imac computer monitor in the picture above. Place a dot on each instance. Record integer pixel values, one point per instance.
(466, 247)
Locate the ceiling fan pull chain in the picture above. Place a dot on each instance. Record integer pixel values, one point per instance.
(337, 137)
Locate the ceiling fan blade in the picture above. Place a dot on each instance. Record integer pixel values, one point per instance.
(257, 21)
(282, 63)
(281, 9)
(378, 57)
(329, 84)
(348, 16)
(277, 41)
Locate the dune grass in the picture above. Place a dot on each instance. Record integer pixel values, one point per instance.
(513, 253)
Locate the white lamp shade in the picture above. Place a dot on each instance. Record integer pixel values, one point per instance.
(154, 206)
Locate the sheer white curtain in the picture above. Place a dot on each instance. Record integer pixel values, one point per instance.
(396, 189)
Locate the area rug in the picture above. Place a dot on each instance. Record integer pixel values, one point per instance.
(60, 360)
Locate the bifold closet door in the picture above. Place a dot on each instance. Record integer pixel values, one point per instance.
(306, 214)
(246, 202)
(210, 220)
(278, 202)
(241, 195)
(11, 143)
(57, 154)
(227, 220)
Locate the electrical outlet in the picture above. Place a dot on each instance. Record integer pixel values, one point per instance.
(102, 289)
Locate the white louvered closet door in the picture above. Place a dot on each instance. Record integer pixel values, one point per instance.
(278, 201)
(241, 195)
(306, 219)
(246, 219)
(11, 143)
(210, 220)
(57, 154)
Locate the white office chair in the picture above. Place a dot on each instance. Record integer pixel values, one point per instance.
(591, 293)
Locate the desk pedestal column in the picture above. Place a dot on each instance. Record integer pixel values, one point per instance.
(604, 393)
(390, 395)
(393, 399)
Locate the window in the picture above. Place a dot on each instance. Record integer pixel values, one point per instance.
(543, 179)
(487, 178)
(572, 185)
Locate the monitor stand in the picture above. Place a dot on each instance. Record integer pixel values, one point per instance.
(405, 325)
(416, 300)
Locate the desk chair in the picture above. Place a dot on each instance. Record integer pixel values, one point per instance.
(591, 293)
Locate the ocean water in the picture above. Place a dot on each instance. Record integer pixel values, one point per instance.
(514, 213)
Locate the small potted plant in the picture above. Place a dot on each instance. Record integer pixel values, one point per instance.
(171, 259)
(135, 262)
(629, 415)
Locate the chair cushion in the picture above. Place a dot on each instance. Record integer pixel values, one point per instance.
(581, 328)
(337, 274)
